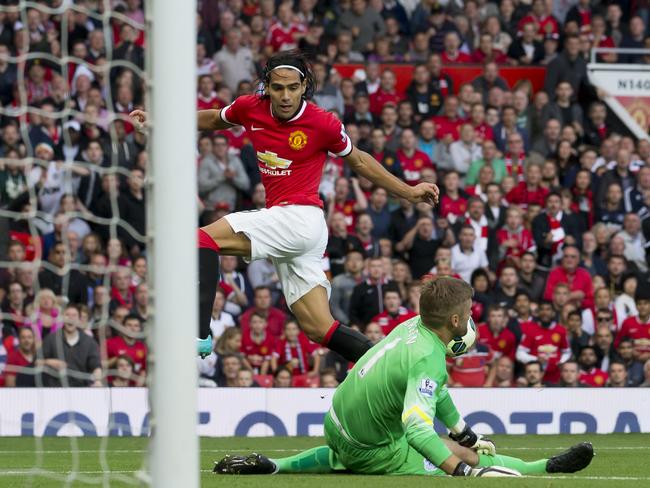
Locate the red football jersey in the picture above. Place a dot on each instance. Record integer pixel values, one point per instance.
(290, 154)
(504, 342)
(523, 196)
(236, 138)
(347, 209)
(524, 238)
(116, 346)
(448, 206)
(282, 38)
(634, 329)
(304, 348)
(412, 166)
(459, 58)
(212, 102)
(469, 369)
(264, 348)
(551, 342)
(387, 322)
(596, 377)
(483, 132)
(444, 126)
(380, 98)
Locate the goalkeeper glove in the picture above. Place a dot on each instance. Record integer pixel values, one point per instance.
(468, 438)
(463, 469)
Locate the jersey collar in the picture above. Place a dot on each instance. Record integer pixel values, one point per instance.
(301, 110)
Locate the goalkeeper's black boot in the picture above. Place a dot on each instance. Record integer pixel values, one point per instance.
(252, 464)
(573, 459)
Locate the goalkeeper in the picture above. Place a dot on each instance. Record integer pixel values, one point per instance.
(381, 419)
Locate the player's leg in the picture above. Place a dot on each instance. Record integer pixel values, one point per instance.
(303, 278)
(573, 459)
(213, 239)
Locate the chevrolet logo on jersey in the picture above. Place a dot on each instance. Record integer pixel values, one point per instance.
(271, 160)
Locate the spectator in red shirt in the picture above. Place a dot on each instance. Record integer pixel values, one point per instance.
(514, 239)
(637, 327)
(207, 98)
(453, 204)
(486, 52)
(386, 94)
(495, 334)
(448, 124)
(412, 160)
(394, 313)
(471, 370)
(257, 344)
(262, 306)
(540, 16)
(546, 343)
(452, 53)
(530, 191)
(122, 289)
(128, 343)
(341, 201)
(482, 129)
(578, 279)
(295, 351)
(599, 38)
(284, 34)
(589, 373)
(21, 361)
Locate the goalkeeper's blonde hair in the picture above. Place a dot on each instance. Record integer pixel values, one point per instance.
(441, 298)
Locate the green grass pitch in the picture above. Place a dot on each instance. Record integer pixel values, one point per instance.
(621, 460)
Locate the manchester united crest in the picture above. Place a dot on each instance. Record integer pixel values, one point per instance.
(555, 338)
(297, 140)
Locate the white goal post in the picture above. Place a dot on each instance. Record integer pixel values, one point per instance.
(172, 220)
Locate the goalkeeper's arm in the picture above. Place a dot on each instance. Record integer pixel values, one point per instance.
(460, 432)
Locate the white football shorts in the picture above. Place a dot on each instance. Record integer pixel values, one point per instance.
(294, 237)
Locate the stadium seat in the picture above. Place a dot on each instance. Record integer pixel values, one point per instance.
(264, 380)
(305, 381)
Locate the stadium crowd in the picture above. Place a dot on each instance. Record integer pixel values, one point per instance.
(545, 194)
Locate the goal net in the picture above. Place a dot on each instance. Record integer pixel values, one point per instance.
(85, 219)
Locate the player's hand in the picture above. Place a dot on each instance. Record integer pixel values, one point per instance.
(424, 192)
(468, 438)
(139, 118)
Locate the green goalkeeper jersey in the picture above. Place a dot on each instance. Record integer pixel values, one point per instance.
(396, 390)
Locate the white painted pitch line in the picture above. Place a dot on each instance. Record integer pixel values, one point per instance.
(129, 451)
(42, 473)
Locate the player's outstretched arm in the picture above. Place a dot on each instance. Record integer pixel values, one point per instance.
(208, 120)
(364, 164)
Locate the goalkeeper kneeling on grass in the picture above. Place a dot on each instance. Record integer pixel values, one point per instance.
(381, 419)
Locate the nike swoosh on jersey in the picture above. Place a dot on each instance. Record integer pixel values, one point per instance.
(253, 128)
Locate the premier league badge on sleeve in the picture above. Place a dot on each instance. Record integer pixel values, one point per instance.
(427, 387)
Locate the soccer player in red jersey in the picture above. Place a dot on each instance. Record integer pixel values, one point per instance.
(394, 313)
(638, 327)
(291, 137)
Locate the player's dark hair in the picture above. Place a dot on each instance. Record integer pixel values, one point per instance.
(293, 58)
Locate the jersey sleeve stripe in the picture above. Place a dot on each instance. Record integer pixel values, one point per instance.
(417, 410)
(347, 150)
(222, 114)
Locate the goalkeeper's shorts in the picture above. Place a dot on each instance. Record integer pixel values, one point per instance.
(397, 458)
(294, 237)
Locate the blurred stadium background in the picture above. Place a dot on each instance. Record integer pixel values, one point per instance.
(531, 116)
